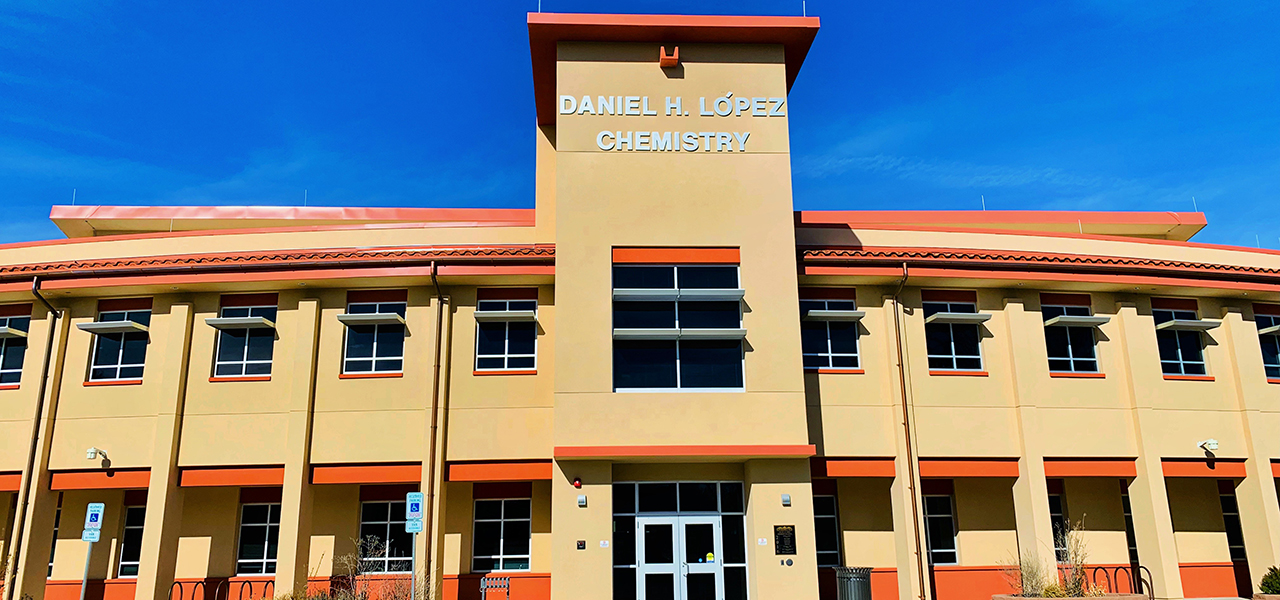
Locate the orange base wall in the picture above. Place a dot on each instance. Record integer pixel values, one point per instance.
(525, 586)
(111, 589)
(969, 583)
(884, 584)
(1208, 580)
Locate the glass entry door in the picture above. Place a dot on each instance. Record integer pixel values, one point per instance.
(679, 558)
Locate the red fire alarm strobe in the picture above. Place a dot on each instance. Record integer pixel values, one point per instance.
(577, 482)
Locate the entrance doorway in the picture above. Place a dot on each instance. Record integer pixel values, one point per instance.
(679, 541)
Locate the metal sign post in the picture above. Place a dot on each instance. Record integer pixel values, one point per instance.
(412, 524)
(92, 533)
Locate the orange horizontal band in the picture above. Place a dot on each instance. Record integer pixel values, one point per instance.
(100, 480)
(113, 382)
(956, 373)
(1200, 467)
(369, 375)
(1090, 467)
(366, 474)
(510, 471)
(826, 371)
(724, 256)
(231, 476)
(529, 372)
(253, 378)
(1025, 275)
(1273, 380)
(1069, 375)
(1188, 377)
(10, 386)
(1275, 468)
(857, 467)
(10, 482)
(976, 467)
(788, 451)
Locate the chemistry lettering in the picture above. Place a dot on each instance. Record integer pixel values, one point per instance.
(727, 106)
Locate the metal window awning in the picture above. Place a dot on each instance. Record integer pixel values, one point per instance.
(9, 332)
(101, 327)
(506, 315)
(240, 323)
(371, 319)
(834, 315)
(680, 334)
(1078, 320)
(958, 318)
(713, 294)
(667, 295)
(1272, 330)
(1188, 325)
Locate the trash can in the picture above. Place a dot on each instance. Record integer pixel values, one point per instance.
(853, 583)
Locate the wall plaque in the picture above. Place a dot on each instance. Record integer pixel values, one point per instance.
(784, 539)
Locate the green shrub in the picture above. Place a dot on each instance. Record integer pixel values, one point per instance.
(1270, 583)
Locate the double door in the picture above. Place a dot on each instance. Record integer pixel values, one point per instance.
(679, 558)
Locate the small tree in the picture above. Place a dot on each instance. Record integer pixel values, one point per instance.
(1270, 583)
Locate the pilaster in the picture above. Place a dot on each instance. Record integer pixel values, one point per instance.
(905, 497)
(294, 551)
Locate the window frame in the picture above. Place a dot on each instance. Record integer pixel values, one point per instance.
(502, 556)
(955, 529)
(506, 355)
(1236, 551)
(265, 561)
(951, 336)
(1181, 361)
(391, 521)
(119, 365)
(834, 517)
(53, 546)
(830, 354)
(1071, 359)
(1271, 370)
(1060, 524)
(16, 344)
(124, 542)
(373, 357)
(244, 362)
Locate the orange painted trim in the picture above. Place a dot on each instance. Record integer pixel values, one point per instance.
(977, 467)
(524, 585)
(790, 451)
(231, 476)
(100, 480)
(10, 482)
(1073, 375)
(10, 386)
(958, 373)
(1188, 378)
(1091, 467)
(831, 371)
(1055, 276)
(509, 471)
(677, 256)
(254, 378)
(1273, 380)
(857, 467)
(1199, 467)
(1203, 580)
(113, 382)
(18, 310)
(370, 375)
(494, 372)
(366, 474)
(996, 217)
(1175, 303)
(1275, 468)
(282, 275)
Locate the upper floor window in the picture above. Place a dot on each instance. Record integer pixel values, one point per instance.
(246, 335)
(385, 546)
(375, 332)
(259, 538)
(1269, 336)
(120, 347)
(500, 540)
(1179, 332)
(829, 332)
(506, 329)
(13, 341)
(953, 335)
(1069, 333)
(677, 327)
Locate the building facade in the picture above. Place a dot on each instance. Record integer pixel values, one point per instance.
(662, 382)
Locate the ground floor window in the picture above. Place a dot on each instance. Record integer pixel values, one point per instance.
(131, 541)
(827, 530)
(1129, 534)
(500, 539)
(1058, 517)
(385, 547)
(53, 546)
(940, 529)
(259, 538)
(1231, 519)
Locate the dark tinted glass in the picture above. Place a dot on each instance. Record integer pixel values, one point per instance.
(131, 549)
(373, 511)
(1049, 312)
(700, 585)
(735, 583)
(1081, 342)
(808, 305)
(488, 509)
(260, 343)
(699, 540)
(231, 344)
(515, 537)
(14, 349)
(709, 315)
(813, 337)
(644, 315)
(933, 307)
(515, 509)
(658, 543)
(966, 339)
(135, 349)
(521, 337)
(360, 341)
(657, 497)
(731, 500)
(698, 497)
(390, 340)
(659, 586)
(108, 350)
(624, 583)
(735, 539)
(624, 540)
(491, 338)
(827, 536)
(941, 534)
(624, 498)
(937, 506)
(644, 364)
(1055, 339)
(938, 339)
(844, 337)
(488, 538)
(1189, 341)
(691, 277)
(824, 505)
(644, 277)
(711, 364)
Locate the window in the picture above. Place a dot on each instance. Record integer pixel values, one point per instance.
(677, 327)
(506, 344)
(386, 548)
(131, 542)
(827, 528)
(53, 546)
(12, 349)
(259, 536)
(120, 355)
(1058, 520)
(1181, 351)
(375, 348)
(1270, 344)
(1071, 348)
(940, 530)
(1231, 519)
(828, 344)
(245, 352)
(500, 541)
(1129, 534)
(953, 346)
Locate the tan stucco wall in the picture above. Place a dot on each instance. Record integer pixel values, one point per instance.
(1197, 520)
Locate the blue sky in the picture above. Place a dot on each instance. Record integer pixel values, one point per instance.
(1073, 105)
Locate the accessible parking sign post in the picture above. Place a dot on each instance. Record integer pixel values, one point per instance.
(92, 533)
(412, 524)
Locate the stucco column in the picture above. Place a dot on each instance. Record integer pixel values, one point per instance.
(430, 544)
(1024, 330)
(170, 350)
(767, 574)
(582, 574)
(1148, 498)
(293, 555)
(905, 497)
(1256, 494)
(33, 565)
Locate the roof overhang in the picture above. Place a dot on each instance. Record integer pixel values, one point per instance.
(1177, 226)
(546, 30)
